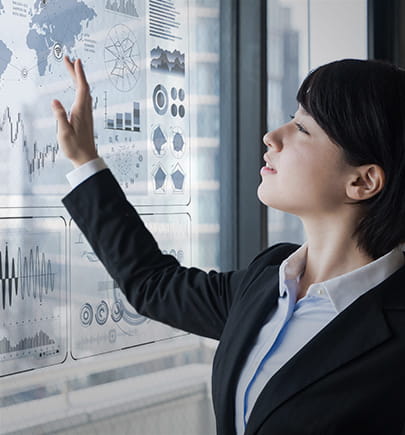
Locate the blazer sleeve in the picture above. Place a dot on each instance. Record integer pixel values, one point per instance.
(155, 284)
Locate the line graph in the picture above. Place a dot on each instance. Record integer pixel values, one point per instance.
(14, 127)
(35, 157)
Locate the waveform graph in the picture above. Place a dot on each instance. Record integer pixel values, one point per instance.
(30, 275)
(102, 319)
(33, 294)
(167, 61)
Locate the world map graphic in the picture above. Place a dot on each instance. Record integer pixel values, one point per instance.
(48, 28)
(5, 52)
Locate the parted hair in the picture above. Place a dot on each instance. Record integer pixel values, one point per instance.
(360, 104)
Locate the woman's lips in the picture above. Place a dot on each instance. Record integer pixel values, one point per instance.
(269, 168)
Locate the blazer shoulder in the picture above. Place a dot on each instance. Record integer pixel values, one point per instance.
(392, 291)
(276, 254)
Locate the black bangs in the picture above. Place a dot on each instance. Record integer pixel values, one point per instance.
(303, 96)
(351, 100)
(325, 95)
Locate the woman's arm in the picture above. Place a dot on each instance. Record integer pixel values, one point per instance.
(155, 284)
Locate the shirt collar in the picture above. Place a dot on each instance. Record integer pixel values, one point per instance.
(292, 267)
(344, 289)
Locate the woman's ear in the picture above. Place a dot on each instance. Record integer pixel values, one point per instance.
(365, 182)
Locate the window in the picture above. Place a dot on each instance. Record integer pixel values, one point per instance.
(301, 36)
(103, 368)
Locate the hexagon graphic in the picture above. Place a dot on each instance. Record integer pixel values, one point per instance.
(178, 177)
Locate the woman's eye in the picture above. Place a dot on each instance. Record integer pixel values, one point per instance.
(299, 126)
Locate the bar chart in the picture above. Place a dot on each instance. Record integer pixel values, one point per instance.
(128, 120)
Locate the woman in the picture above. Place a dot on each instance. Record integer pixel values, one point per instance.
(312, 338)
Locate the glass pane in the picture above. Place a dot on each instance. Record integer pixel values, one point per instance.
(96, 366)
(327, 40)
(287, 60)
(293, 49)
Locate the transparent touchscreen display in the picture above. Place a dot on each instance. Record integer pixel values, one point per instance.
(32, 294)
(135, 54)
(102, 320)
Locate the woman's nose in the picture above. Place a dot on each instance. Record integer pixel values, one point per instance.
(273, 139)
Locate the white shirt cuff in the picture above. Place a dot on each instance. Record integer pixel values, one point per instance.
(85, 171)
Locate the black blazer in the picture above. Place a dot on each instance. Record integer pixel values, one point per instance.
(349, 379)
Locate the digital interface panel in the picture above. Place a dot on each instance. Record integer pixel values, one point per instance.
(135, 55)
(102, 320)
(33, 293)
(56, 298)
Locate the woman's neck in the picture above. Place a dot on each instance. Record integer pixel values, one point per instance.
(331, 252)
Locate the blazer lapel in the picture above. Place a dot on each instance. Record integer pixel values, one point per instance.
(356, 330)
(241, 330)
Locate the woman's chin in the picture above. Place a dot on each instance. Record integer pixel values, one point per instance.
(264, 196)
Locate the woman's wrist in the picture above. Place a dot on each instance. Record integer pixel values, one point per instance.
(77, 162)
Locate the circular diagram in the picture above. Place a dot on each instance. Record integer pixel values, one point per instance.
(160, 99)
(117, 310)
(86, 315)
(101, 313)
(122, 58)
(127, 313)
(57, 51)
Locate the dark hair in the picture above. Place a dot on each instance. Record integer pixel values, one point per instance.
(361, 107)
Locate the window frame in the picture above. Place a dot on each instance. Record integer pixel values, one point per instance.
(243, 124)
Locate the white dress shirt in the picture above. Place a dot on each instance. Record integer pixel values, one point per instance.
(85, 171)
(291, 324)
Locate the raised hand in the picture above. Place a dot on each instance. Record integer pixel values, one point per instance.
(76, 133)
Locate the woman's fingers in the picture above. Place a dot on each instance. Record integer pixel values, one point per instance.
(80, 75)
(61, 116)
(82, 87)
(75, 134)
(70, 67)
(76, 71)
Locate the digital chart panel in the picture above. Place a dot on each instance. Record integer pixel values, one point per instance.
(135, 55)
(31, 75)
(33, 293)
(168, 86)
(122, 57)
(102, 320)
